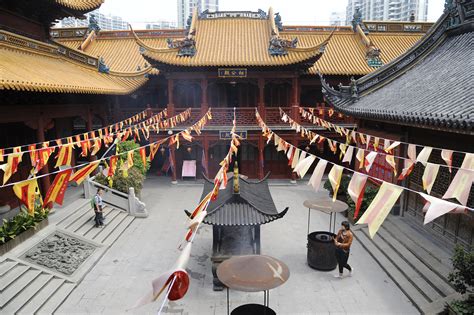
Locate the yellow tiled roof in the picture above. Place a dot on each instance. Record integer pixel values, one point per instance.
(344, 53)
(44, 69)
(80, 5)
(231, 42)
(120, 54)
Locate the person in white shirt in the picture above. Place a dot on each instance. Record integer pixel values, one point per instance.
(98, 206)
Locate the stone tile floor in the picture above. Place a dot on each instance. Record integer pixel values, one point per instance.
(148, 248)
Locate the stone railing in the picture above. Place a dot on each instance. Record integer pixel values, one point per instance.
(128, 202)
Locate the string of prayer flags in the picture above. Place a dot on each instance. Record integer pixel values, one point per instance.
(27, 191)
(380, 207)
(369, 160)
(429, 176)
(334, 177)
(424, 155)
(11, 167)
(153, 149)
(437, 207)
(42, 158)
(96, 146)
(80, 175)
(64, 156)
(303, 166)
(356, 190)
(392, 146)
(57, 189)
(461, 184)
(447, 156)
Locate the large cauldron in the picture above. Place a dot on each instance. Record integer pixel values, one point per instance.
(321, 251)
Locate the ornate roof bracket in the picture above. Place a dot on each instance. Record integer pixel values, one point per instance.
(102, 66)
(344, 92)
(357, 21)
(459, 11)
(279, 46)
(186, 46)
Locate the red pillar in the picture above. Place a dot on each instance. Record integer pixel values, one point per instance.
(295, 99)
(173, 169)
(170, 97)
(261, 97)
(261, 159)
(45, 182)
(204, 104)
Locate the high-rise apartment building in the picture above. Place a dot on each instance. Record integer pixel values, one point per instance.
(161, 25)
(185, 9)
(105, 22)
(388, 10)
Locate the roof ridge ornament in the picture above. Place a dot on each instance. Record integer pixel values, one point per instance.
(357, 20)
(279, 46)
(278, 22)
(459, 12)
(103, 68)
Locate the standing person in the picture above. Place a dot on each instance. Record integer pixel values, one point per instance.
(98, 206)
(343, 241)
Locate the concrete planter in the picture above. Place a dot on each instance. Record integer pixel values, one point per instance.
(20, 238)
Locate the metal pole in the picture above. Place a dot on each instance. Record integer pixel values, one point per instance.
(228, 306)
(309, 216)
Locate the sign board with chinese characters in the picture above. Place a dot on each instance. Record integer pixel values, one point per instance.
(232, 73)
(225, 135)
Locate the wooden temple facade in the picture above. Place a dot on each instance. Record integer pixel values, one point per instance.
(58, 82)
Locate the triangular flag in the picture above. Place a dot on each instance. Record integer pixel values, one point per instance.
(437, 207)
(318, 173)
(64, 156)
(334, 177)
(369, 160)
(461, 184)
(112, 166)
(295, 159)
(447, 156)
(380, 207)
(429, 176)
(57, 189)
(82, 173)
(424, 155)
(367, 144)
(411, 152)
(407, 169)
(360, 157)
(27, 192)
(142, 152)
(304, 164)
(356, 190)
(130, 158)
(348, 156)
(11, 167)
(391, 146)
(391, 161)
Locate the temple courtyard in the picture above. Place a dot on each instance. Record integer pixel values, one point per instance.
(148, 247)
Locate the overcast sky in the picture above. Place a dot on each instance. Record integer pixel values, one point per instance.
(315, 12)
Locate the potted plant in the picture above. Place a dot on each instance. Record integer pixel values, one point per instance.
(462, 279)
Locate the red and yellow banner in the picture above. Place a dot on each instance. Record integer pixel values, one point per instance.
(58, 189)
(27, 192)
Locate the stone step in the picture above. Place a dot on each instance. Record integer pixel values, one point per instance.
(110, 219)
(12, 275)
(26, 294)
(41, 297)
(89, 223)
(115, 234)
(435, 281)
(408, 271)
(60, 214)
(421, 252)
(408, 288)
(87, 218)
(19, 284)
(6, 265)
(55, 301)
(423, 240)
(71, 218)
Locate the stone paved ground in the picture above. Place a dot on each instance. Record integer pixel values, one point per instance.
(148, 247)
